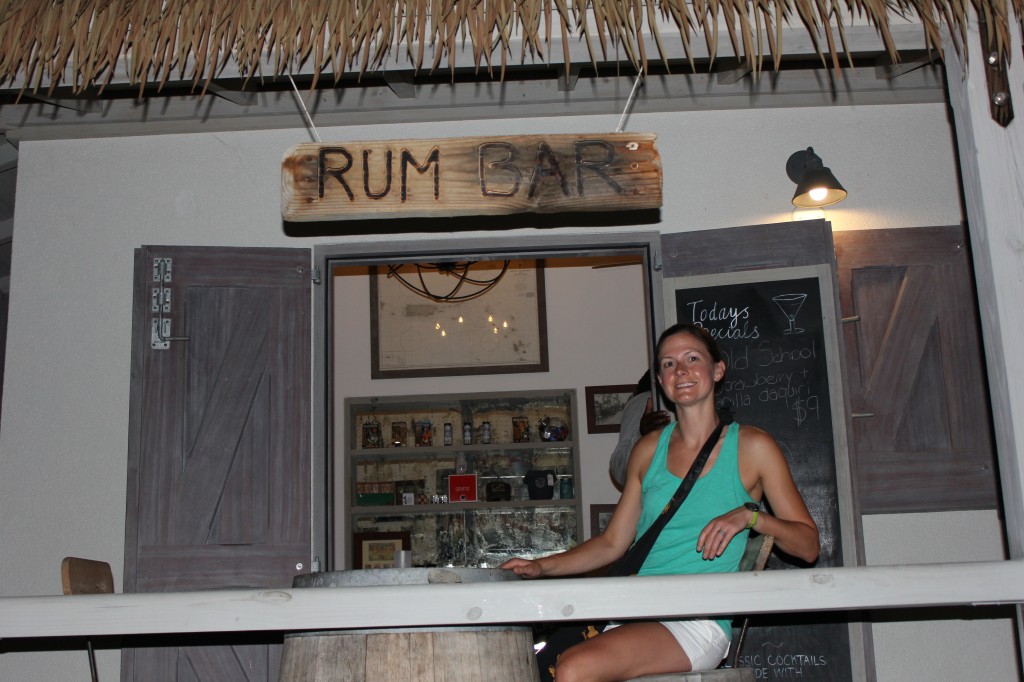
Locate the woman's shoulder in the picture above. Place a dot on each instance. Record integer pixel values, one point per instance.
(644, 449)
(648, 442)
(755, 441)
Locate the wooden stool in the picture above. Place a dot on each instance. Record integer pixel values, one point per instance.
(496, 653)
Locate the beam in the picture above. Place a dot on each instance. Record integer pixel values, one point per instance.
(992, 168)
(378, 103)
(858, 38)
(819, 589)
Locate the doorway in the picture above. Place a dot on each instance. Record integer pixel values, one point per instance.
(600, 301)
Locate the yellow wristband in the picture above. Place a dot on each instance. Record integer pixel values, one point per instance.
(753, 520)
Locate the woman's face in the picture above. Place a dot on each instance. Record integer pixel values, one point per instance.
(686, 371)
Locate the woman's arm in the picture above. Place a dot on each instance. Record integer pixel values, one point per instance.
(594, 553)
(765, 472)
(790, 523)
(617, 537)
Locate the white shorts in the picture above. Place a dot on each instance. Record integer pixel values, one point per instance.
(702, 640)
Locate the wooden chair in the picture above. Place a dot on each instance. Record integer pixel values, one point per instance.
(755, 558)
(85, 576)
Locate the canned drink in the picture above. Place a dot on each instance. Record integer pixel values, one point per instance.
(565, 488)
(486, 426)
(447, 434)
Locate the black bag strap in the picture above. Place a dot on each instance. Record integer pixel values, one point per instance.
(631, 562)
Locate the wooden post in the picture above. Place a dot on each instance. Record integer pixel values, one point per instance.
(991, 163)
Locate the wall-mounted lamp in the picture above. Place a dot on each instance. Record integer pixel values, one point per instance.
(815, 184)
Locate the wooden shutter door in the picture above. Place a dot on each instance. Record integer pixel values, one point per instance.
(921, 431)
(819, 468)
(218, 485)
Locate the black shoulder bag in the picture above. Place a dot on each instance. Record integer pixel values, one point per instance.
(628, 564)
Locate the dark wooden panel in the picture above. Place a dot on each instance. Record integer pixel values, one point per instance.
(219, 458)
(922, 438)
(796, 407)
(753, 247)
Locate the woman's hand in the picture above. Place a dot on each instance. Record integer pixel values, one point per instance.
(523, 567)
(720, 531)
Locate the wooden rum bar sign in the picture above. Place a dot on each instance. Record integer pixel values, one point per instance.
(470, 176)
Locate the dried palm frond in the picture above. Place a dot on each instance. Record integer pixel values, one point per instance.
(83, 43)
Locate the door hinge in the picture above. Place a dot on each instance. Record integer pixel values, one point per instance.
(160, 305)
(162, 269)
(315, 275)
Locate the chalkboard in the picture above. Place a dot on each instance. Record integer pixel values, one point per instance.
(779, 342)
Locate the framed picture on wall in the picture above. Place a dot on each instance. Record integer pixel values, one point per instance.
(605, 405)
(600, 515)
(453, 319)
(377, 550)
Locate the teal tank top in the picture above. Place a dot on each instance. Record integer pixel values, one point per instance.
(717, 491)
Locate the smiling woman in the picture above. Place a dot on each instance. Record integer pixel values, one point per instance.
(717, 478)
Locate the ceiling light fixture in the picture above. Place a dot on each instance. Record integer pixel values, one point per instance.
(815, 185)
(475, 286)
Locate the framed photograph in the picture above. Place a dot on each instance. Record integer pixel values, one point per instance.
(377, 550)
(496, 329)
(605, 405)
(600, 515)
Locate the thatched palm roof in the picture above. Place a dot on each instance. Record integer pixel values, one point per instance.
(84, 43)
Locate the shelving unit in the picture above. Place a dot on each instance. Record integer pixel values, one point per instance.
(394, 485)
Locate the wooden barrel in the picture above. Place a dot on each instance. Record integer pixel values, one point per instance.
(435, 654)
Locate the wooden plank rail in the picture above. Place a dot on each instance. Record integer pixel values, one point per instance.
(290, 610)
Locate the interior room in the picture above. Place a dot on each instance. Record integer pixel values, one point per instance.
(107, 189)
(578, 293)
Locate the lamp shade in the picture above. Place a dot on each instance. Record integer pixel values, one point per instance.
(816, 186)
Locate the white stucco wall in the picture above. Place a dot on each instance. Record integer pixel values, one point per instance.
(918, 645)
(84, 205)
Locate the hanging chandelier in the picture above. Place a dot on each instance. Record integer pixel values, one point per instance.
(456, 283)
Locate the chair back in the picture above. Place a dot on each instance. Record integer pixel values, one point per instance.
(85, 576)
(756, 553)
(755, 558)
